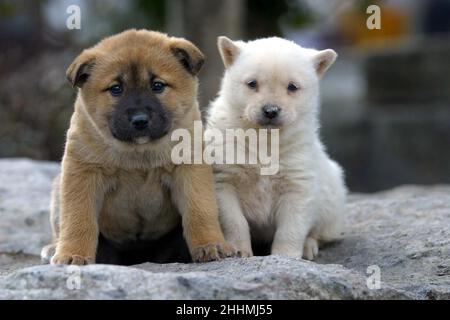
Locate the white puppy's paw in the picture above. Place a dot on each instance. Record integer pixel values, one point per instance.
(286, 249)
(311, 249)
(47, 253)
(244, 249)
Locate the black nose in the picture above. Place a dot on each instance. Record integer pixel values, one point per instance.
(271, 111)
(139, 121)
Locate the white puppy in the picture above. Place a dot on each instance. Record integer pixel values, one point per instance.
(274, 83)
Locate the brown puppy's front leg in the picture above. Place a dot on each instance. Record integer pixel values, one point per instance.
(81, 196)
(193, 194)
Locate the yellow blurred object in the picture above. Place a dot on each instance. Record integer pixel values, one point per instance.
(354, 30)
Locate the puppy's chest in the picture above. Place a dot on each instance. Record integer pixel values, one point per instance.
(138, 207)
(260, 195)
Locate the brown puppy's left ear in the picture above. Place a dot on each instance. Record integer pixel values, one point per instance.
(188, 55)
(80, 69)
(323, 60)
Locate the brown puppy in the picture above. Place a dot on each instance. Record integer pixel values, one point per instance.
(117, 176)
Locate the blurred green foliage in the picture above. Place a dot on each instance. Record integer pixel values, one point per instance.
(265, 17)
(155, 10)
(298, 15)
(7, 8)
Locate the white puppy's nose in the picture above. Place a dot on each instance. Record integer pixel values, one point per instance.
(271, 111)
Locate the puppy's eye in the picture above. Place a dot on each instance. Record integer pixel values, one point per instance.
(158, 86)
(252, 84)
(116, 90)
(292, 87)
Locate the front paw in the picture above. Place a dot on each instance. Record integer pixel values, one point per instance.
(311, 249)
(244, 249)
(244, 254)
(214, 252)
(47, 253)
(286, 250)
(71, 259)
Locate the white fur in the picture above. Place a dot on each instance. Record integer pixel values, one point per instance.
(304, 202)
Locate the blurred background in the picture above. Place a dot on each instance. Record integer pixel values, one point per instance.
(385, 102)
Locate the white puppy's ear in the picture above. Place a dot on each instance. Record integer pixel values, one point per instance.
(229, 51)
(323, 60)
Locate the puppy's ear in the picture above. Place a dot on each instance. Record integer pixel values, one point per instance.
(188, 54)
(229, 51)
(81, 68)
(323, 60)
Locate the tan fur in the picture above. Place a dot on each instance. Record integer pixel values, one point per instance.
(132, 191)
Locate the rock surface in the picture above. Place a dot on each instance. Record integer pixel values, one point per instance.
(24, 205)
(404, 232)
